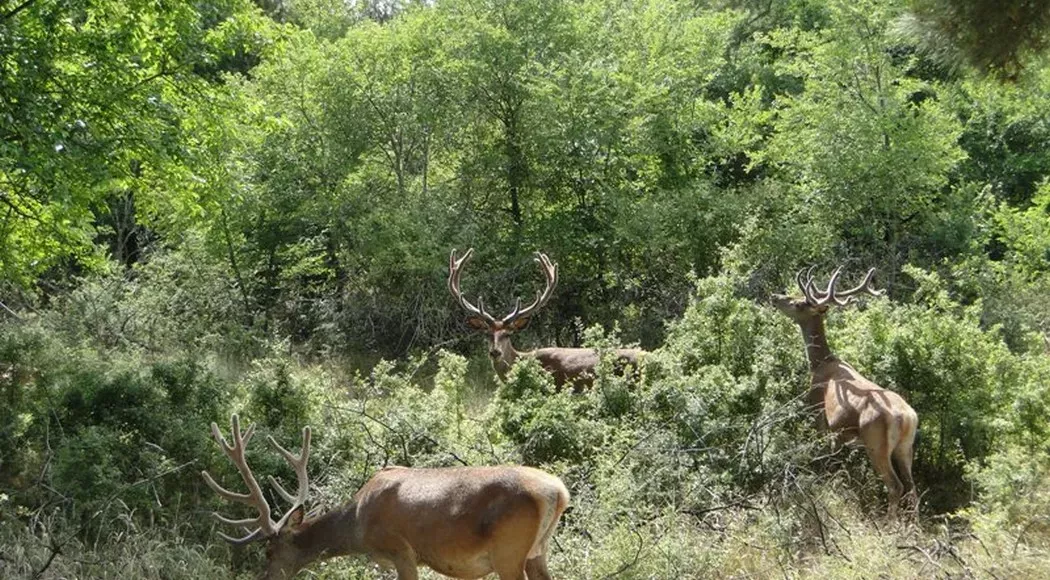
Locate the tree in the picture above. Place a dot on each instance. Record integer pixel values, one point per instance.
(94, 96)
(993, 36)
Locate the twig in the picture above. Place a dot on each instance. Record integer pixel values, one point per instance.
(1035, 520)
(55, 551)
(450, 452)
(744, 503)
(820, 524)
(924, 553)
(628, 565)
(9, 311)
(56, 546)
(14, 11)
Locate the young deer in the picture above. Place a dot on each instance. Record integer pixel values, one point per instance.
(568, 365)
(464, 522)
(853, 406)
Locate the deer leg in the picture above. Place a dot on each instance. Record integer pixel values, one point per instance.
(510, 552)
(511, 548)
(406, 565)
(406, 570)
(536, 568)
(902, 459)
(876, 442)
(510, 570)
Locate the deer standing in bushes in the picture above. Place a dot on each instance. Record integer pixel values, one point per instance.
(574, 366)
(464, 522)
(853, 406)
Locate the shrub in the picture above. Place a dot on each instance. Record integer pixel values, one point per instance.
(547, 424)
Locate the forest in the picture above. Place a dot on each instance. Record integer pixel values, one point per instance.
(218, 207)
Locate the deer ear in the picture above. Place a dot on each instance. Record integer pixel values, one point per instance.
(477, 323)
(520, 323)
(296, 518)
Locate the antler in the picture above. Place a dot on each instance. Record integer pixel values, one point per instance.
(266, 526)
(816, 297)
(550, 273)
(455, 268)
(298, 463)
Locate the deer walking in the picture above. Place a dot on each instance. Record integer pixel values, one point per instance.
(853, 406)
(463, 522)
(574, 366)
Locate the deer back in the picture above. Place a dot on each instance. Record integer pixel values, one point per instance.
(452, 517)
(576, 365)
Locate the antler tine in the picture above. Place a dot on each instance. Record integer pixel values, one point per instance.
(482, 311)
(254, 497)
(808, 291)
(809, 273)
(550, 274)
(864, 285)
(281, 491)
(517, 309)
(455, 268)
(298, 462)
(251, 537)
(231, 521)
(829, 292)
(225, 493)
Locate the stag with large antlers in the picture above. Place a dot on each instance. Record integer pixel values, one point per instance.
(464, 522)
(851, 405)
(574, 366)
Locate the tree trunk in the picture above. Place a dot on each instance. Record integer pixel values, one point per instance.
(516, 168)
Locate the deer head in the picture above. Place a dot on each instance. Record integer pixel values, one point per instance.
(500, 331)
(815, 302)
(284, 557)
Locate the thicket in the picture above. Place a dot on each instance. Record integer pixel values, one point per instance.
(217, 207)
(681, 469)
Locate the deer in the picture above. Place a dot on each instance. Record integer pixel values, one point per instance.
(463, 522)
(573, 366)
(844, 401)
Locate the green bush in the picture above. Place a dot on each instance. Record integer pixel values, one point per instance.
(973, 395)
(547, 424)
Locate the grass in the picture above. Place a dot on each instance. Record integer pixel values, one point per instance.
(811, 534)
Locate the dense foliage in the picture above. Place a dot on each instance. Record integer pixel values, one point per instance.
(216, 207)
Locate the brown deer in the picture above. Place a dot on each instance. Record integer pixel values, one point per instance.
(853, 406)
(574, 366)
(464, 522)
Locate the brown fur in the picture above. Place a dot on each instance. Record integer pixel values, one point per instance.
(568, 366)
(463, 522)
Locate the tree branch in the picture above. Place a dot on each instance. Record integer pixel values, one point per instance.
(9, 311)
(14, 11)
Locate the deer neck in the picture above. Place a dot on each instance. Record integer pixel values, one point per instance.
(330, 535)
(817, 350)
